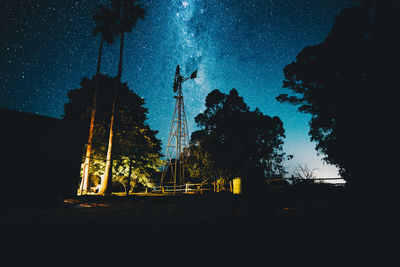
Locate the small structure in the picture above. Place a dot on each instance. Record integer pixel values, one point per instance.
(237, 186)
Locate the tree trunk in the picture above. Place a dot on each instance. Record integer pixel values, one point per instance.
(108, 171)
(215, 184)
(86, 166)
(121, 48)
(128, 186)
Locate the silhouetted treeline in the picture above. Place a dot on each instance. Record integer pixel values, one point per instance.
(347, 84)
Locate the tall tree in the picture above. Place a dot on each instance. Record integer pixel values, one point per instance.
(128, 14)
(136, 148)
(346, 83)
(237, 142)
(105, 20)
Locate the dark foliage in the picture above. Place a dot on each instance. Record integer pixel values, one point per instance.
(129, 12)
(106, 23)
(77, 109)
(346, 84)
(236, 142)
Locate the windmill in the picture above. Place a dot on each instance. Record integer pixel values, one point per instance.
(174, 171)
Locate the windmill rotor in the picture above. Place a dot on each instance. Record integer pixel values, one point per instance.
(179, 79)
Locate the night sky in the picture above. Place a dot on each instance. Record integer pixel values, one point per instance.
(46, 48)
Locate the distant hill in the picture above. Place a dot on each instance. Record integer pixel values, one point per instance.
(39, 159)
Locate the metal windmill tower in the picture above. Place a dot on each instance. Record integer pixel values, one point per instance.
(174, 171)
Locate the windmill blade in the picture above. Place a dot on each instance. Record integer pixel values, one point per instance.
(193, 75)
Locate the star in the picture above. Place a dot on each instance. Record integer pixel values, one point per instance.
(233, 44)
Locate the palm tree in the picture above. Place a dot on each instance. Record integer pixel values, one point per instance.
(105, 20)
(129, 13)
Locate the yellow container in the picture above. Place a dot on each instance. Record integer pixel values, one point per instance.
(237, 186)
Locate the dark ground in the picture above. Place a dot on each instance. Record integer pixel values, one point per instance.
(208, 228)
(288, 211)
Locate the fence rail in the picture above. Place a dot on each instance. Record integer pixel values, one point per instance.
(339, 181)
(191, 188)
(184, 188)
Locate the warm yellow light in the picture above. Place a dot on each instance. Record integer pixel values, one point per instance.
(237, 186)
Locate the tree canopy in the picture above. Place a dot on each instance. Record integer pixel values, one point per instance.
(345, 83)
(136, 148)
(129, 12)
(234, 141)
(106, 23)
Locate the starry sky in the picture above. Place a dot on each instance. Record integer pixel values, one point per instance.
(46, 48)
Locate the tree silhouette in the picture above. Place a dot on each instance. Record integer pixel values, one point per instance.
(128, 15)
(237, 142)
(345, 84)
(105, 21)
(136, 148)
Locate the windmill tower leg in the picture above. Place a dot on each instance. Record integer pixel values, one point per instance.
(171, 153)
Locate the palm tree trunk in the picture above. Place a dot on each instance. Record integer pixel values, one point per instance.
(85, 178)
(108, 172)
(121, 49)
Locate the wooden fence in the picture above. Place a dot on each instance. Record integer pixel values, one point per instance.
(272, 183)
(332, 180)
(188, 188)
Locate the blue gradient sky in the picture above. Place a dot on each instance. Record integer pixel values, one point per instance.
(46, 48)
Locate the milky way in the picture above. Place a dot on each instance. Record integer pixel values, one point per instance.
(46, 48)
